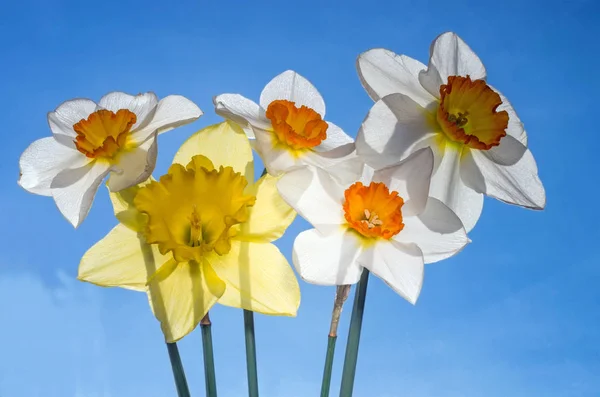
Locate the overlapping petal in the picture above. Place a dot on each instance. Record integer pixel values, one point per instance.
(383, 72)
(134, 167)
(73, 190)
(171, 112)
(437, 231)
(43, 160)
(66, 115)
(400, 265)
(241, 110)
(410, 179)
(315, 196)
(328, 259)
(270, 216)
(182, 299)
(448, 186)
(500, 174)
(142, 105)
(395, 127)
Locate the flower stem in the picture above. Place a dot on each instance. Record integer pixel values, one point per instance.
(325, 384)
(250, 353)
(178, 373)
(354, 336)
(341, 294)
(209, 360)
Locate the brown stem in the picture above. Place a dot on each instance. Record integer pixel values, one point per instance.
(205, 320)
(341, 294)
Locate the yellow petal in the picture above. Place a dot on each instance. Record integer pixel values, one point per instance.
(121, 259)
(270, 216)
(225, 144)
(124, 210)
(258, 278)
(181, 300)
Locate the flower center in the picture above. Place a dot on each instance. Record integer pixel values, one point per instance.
(373, 210)
(103, 133)
(191, 210)
(298, 128)
(468, 113)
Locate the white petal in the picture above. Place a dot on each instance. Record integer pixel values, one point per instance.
(74, 190)
(516, 183)
(515, 126)
(143, 105)
(315, 196)
(399, 265)
(383, 72)
(66, 115)
(336, 137)
(341, 163)
(295, 88)
(411, 179)
(43, 160)
(450, 56)
(448, 187)
(395, 127)
(437, 231)
(276, 159)
(327, 260)
(242, 111)
(134, 166)
(171, 112)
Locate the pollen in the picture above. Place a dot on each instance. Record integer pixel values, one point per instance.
(191, 210)
(297, 128)
(104, 132)
(373, 210)
(468, 113)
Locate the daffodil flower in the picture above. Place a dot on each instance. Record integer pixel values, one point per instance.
(385, 222)
(201, 234)
(479, 142)
(89, 141)
(288, 125)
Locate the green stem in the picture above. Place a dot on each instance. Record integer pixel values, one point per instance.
(354, 336)
(250, 353)
(178, 373)
(341, 294)
(328, 366)
(209, 359)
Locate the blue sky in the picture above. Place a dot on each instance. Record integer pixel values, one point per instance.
(515, 314)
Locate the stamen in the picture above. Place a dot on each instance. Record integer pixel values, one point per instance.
(195, 229)
(371, 219)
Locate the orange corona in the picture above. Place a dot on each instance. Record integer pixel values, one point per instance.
(103, 133)
(298, 128)
(373, 210)
(468, 113)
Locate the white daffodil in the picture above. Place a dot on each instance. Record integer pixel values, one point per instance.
(384, 222)
(288, 126)
(479, 143)
(117, 136)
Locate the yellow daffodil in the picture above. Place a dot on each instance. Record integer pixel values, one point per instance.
(201, 234)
